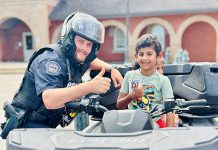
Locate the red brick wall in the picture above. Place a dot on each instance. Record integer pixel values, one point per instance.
(200, 41)
(52, 28)
(106, 53)
(199, 38)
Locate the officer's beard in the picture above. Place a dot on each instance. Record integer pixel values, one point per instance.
(70, 51)
(80, 56)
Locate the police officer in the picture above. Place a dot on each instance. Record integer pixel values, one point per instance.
(53, 76)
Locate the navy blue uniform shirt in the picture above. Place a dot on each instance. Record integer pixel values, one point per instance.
(48, 71)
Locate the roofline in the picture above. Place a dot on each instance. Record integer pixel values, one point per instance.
(155, 13)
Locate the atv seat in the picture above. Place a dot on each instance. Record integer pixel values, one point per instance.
(126, 121)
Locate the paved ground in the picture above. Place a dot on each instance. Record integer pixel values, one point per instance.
(8, 85)
(10, 77)
(12, 67)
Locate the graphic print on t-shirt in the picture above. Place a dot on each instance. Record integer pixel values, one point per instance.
(145, 101)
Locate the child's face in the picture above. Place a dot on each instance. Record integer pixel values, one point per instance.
(147, 58)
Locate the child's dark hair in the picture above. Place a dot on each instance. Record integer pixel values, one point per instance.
(148, 40)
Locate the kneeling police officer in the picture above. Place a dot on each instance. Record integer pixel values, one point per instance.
(53, 75)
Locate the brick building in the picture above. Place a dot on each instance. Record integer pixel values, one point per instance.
(26, 26)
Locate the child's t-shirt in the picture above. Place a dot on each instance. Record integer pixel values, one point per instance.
(156, 87)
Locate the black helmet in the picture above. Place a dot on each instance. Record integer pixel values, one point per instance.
(85, 26)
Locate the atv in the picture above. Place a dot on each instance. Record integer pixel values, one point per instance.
(196, 103)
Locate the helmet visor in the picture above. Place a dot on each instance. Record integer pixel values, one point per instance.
(88, 27)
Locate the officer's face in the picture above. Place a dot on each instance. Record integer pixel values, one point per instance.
(84, 47)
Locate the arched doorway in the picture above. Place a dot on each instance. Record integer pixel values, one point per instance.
(16, 41)
(199, 39)
(159, 31)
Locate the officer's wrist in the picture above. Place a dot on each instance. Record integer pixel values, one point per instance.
(112, 67)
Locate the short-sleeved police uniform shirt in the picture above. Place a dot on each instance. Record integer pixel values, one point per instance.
(48, 71)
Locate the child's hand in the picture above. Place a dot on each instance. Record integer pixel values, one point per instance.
(137, 92)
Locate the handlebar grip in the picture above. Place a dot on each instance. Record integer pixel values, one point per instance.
(73, 105)
(183, 103)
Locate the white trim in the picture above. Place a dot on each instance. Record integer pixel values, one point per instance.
(27, 53)
(115, 48)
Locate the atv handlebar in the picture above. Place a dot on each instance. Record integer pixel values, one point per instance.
(178, 106)
(89, 105)
(182, 103)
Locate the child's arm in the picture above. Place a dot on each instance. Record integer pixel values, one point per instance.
(124, 99)
(170, 119)
(167, 92)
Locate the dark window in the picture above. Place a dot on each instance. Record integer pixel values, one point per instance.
(29, 42)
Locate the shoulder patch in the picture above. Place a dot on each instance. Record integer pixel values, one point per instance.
(53, 68)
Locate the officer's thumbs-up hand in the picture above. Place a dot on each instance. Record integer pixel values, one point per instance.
(101, 73)
(100, 84)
